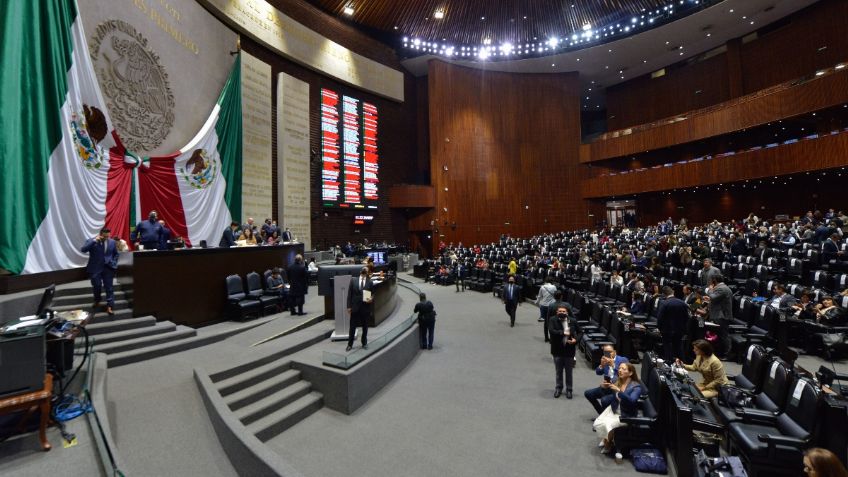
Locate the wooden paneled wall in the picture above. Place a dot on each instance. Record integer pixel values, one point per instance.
(788, 52)
(503, 153)
(822, 153)
(692, 87)
(748, 111)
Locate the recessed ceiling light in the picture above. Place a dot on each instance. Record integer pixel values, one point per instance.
(439, 14)
(348, 9)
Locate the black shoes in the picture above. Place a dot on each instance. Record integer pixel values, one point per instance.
(547, 340)
(429, 347)
(348, 348)
(365, 346)
(568, 394)
(557, 394)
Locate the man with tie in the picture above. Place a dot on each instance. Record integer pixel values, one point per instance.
(287, 235)
(512, 299)
(359, 307)
(672, 318)
(102, 263)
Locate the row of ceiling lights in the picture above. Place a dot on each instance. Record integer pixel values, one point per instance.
(551, 45)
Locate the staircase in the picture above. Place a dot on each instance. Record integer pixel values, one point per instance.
(122, 336)
(268, 397)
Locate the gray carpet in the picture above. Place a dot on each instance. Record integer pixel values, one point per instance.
(479, 404)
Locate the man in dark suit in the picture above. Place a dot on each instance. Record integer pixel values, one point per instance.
(165, 237)
(102, 263)
(298, 285)
(359, 307)
(287, 235)
(830, 249)
(426, 321)
(672, 318)
(228, 238)
(562, 330)
(512, 299)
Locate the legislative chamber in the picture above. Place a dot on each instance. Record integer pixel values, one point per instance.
(410, 237)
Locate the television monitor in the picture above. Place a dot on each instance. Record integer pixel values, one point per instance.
(350, 158)
(378, 256)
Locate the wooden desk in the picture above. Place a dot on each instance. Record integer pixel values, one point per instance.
(187, 286)
(29, 402)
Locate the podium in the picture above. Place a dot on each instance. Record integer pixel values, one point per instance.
(341, 284)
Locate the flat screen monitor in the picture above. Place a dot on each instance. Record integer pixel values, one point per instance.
(378, 256)
(46, 301)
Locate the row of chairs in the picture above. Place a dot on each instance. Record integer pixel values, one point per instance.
(787, 413)
(254, 299)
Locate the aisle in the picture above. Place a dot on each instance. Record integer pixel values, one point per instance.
(479, 404)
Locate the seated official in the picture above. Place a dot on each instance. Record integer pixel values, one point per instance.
(228, 238)
(277, 285)
(827, 313)
(804, 309)
(626, 392)
(602, 396)
(247, 237)
(274, 238)
(710, 367)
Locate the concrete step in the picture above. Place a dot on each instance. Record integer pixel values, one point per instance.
(120, 325)
(156, 351)
(272, 403)
(277, 422)
(81, 289)
(181, 332)
(252, 376)
(106, 338)
(119, 305)
(84, 300)
(102, 317)
(248, 395)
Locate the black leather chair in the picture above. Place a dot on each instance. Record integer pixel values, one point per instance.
(772, 445)
(753, 370)
(256, 291)
(239, 305)
(771, 400)
(645, 428)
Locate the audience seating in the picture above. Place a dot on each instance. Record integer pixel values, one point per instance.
(239, 305)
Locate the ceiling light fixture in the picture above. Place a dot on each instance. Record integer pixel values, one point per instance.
(439, 14)
(348, 9)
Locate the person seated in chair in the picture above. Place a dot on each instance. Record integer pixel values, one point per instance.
(710, 367)
(828, 313)
(601, 396)
(626, 391)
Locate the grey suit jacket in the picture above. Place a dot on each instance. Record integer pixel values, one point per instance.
(721, 303)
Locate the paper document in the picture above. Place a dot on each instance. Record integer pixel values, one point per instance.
(366, 295)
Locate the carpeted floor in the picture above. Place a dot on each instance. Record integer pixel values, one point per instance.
(479, 404)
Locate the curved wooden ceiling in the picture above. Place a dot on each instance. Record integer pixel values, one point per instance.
(472, 21)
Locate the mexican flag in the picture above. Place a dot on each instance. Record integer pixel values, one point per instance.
(196, 190)
(55, 135)
(65, 172)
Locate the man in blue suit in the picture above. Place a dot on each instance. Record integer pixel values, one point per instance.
(102, 264)
(602, 396)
